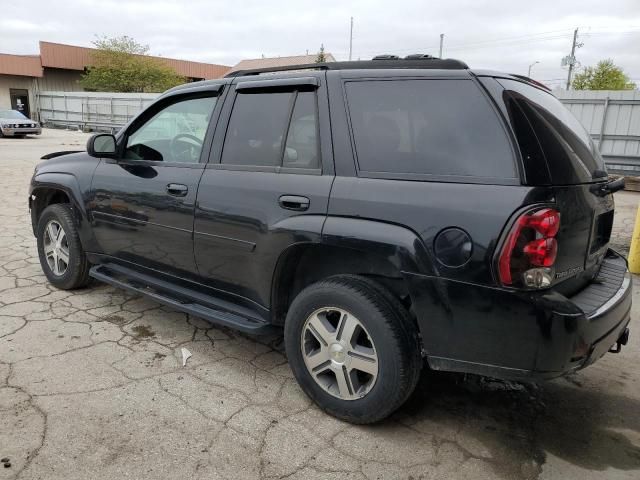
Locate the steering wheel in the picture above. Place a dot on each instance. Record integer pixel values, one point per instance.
(185, 151)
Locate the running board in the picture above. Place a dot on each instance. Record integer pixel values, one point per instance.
(184, 299)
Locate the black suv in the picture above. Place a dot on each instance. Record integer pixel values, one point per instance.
(382, 212)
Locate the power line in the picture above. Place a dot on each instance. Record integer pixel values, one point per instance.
(503, 39)
(498, 42)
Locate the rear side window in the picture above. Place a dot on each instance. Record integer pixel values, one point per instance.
(256, 129)
(550, 137)
(433, 127)
(272, 129)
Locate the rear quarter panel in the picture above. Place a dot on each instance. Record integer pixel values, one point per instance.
(427, 208)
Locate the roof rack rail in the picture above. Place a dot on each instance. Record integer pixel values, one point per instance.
(418, 56)
(386, 57)
(420, 63)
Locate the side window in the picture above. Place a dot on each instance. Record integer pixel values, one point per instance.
(174, 134)
(259, 124)
(436, 127)
(301, 150)
(548, 130)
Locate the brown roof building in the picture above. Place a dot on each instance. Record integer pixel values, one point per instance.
(278, 62)
(59, 67)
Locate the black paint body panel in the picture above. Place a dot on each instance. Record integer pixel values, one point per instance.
(230, 237)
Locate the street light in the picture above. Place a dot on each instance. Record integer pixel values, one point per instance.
(529, 74)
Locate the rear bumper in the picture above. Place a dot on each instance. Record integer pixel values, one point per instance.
(519, 335)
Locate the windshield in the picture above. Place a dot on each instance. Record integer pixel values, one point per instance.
(558, 139)
(12, 114)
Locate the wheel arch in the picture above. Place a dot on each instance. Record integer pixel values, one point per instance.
(376, 250)
(53, 188)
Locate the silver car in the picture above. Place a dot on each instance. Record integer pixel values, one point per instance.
(15, 124)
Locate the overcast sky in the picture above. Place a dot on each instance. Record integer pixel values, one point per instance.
(502, 35)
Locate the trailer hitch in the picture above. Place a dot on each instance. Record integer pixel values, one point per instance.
(624, 338)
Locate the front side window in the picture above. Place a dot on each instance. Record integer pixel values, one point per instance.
(261, 122)
(174, 134)
(434, 127)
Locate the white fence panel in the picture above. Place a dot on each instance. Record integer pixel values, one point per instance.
(91, 110)
(612, 117)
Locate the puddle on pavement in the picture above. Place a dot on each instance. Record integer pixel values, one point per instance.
(115, 319)
(143, 331)
(515, 424)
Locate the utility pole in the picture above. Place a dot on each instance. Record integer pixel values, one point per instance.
(441, 42)
(572, 58)
(351, 39)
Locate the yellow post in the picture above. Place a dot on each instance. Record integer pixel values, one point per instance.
(634, 251)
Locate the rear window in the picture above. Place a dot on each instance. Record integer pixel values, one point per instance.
(550, 137)
(429, 127)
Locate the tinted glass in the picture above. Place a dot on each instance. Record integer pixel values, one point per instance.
(256, 129)
(174, 134)
(302, 140)
(571, 156)
(439, 127)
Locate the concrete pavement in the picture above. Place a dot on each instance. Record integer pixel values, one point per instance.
(92, 386)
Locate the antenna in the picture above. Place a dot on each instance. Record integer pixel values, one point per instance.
(351, 39)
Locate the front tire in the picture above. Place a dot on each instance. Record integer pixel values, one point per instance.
(353, 348)
(62, 257)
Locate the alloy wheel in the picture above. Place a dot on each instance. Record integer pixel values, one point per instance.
(56, 248)
(339, 353)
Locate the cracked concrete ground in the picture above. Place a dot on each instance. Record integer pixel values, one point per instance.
(92, 386)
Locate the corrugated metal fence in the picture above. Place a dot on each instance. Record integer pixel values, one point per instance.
(612, 118)
(89, 110)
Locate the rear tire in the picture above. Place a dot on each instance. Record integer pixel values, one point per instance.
(352, 326)
(62, 257)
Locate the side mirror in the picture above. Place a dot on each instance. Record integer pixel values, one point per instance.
(102, 145)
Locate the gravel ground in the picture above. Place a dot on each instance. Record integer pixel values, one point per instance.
(92, 386)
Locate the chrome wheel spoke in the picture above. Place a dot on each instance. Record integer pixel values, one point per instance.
(320, 328)
(347, 328)
(49, 249)
(319, 361)
(343, 383)
(363, 361)
(56, 264)
(63, 255)
(51, 231)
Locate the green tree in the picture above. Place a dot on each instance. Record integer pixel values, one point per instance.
(120, 64)
(321, 56)
(604, 76)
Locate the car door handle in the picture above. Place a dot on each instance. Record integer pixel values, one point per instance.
(294, 202)
(177, 189)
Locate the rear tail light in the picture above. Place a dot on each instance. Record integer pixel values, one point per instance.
(530, 250)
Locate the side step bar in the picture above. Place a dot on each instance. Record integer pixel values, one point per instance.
(189, 301)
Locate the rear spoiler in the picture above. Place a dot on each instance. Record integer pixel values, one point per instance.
(59, 154)
(531, 80)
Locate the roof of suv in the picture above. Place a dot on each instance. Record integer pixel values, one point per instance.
(411, 63)
(383, 62)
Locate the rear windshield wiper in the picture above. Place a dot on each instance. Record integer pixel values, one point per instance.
(602, 189)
